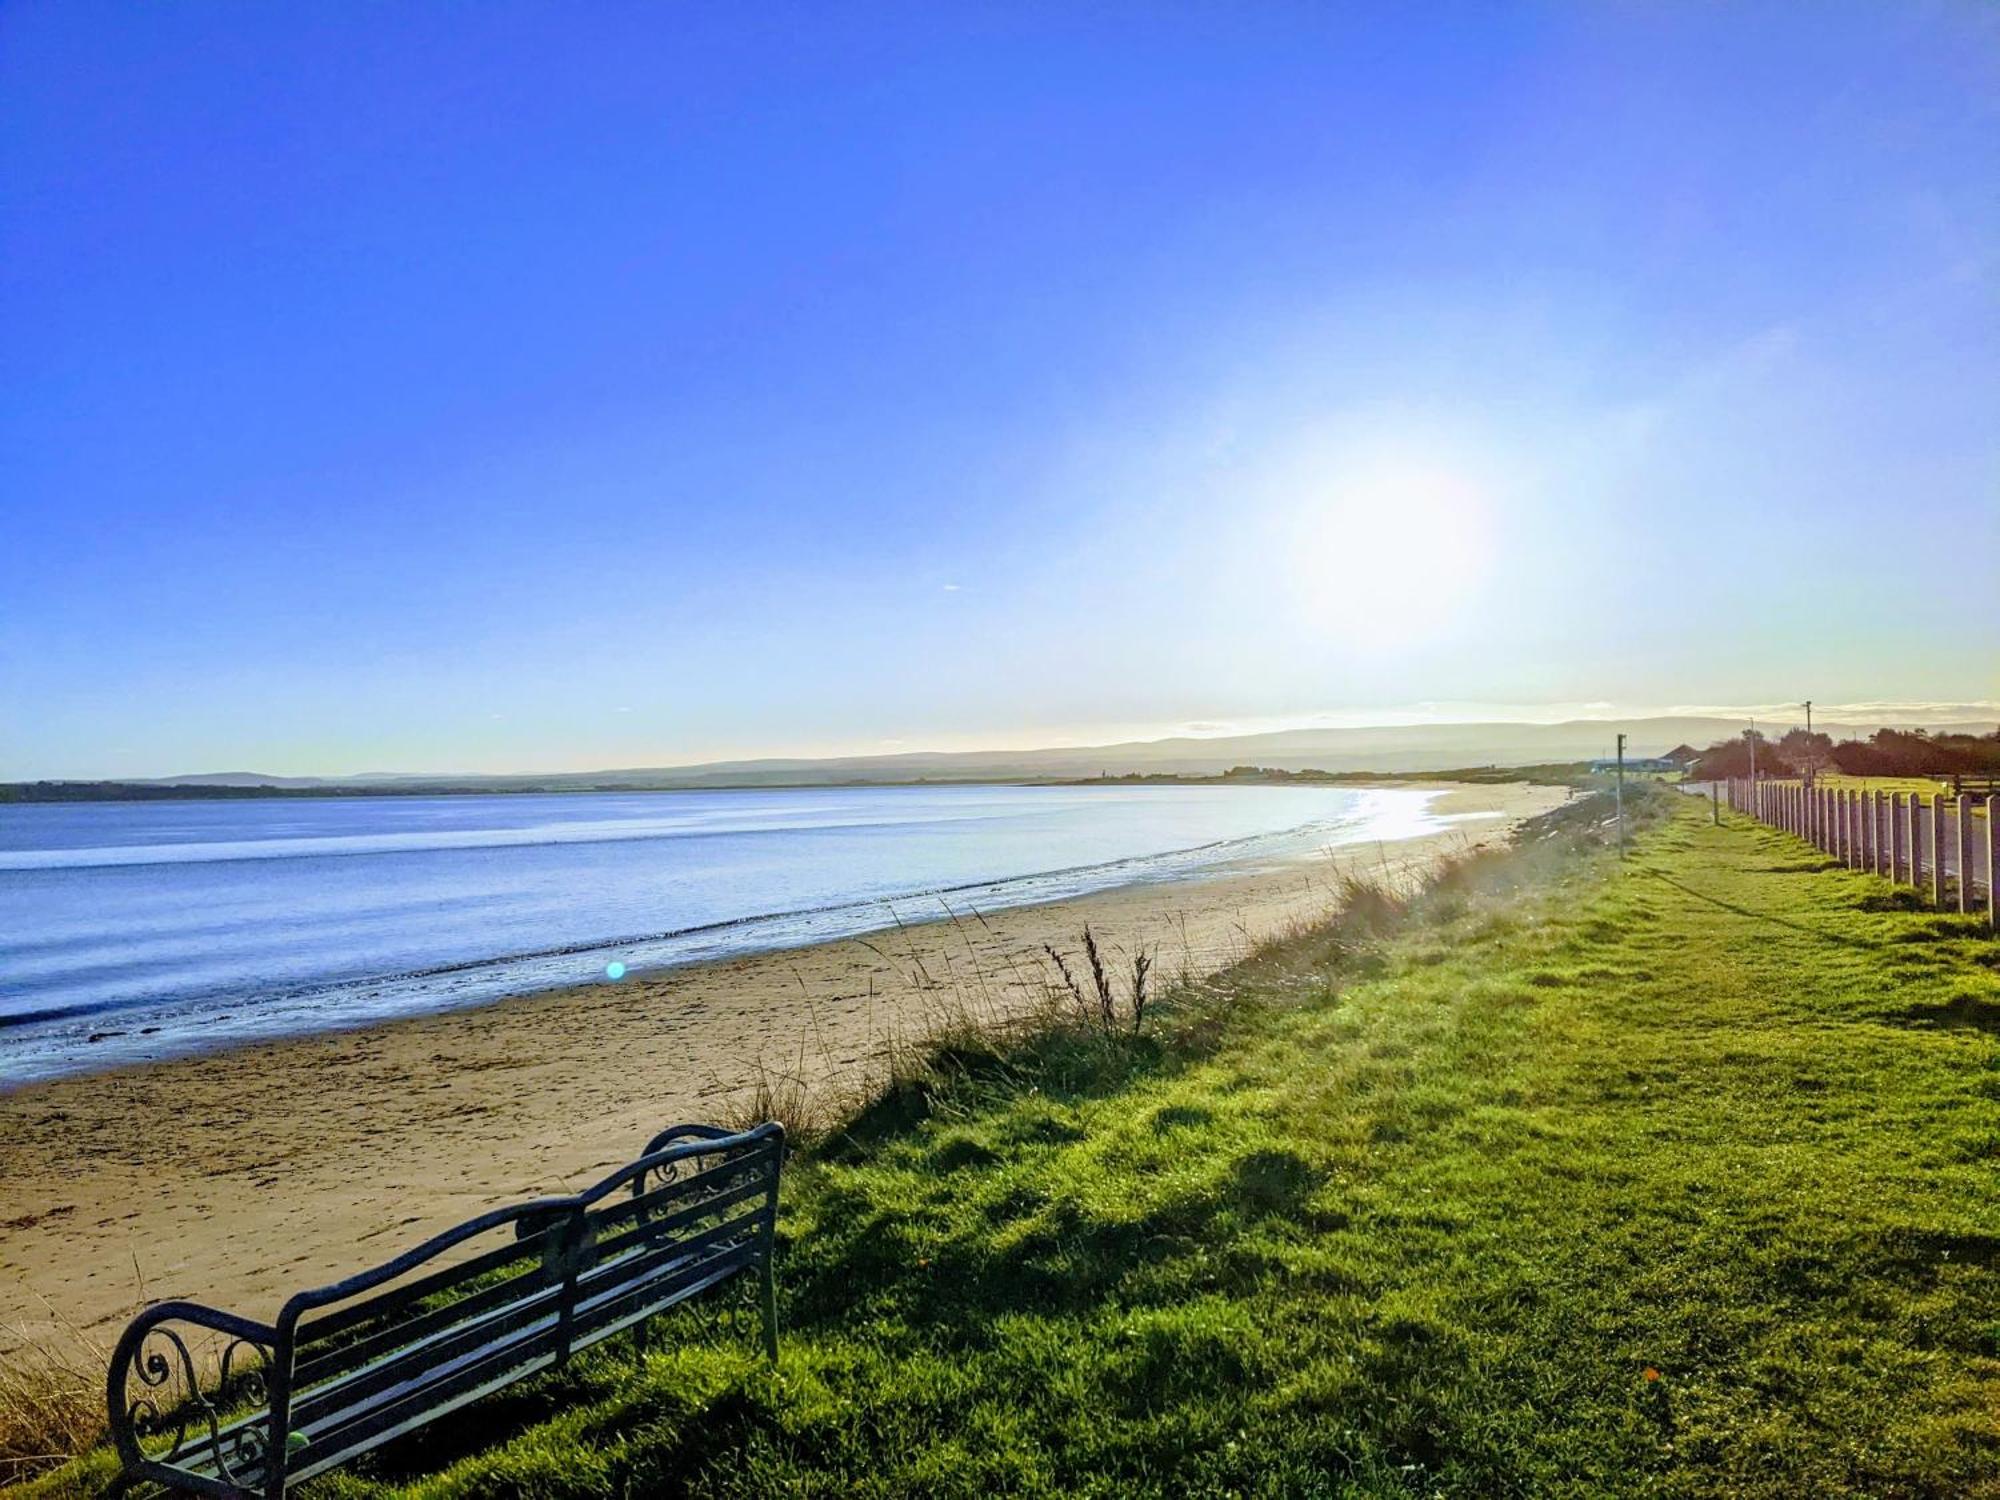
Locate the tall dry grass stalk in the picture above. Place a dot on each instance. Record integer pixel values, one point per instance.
(51, 1402)
(979, 1003)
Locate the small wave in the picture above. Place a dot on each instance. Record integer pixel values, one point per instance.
(49, 1038)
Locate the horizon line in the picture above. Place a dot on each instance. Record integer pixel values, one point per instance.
(1843, 716)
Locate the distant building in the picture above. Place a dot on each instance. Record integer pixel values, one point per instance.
(1658, 764)
(1682, 756)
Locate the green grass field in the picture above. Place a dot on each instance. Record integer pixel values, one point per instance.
(1679, 1176)
(1923, 786)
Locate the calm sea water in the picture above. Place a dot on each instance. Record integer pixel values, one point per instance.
(137, 930)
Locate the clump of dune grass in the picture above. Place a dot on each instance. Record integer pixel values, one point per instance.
(784, 1096)
(51, 1403)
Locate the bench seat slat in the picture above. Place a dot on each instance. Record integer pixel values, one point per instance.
(333, 1362)
(445, 1338)
(490, 1329)
(333, 1426)
(376, 1417)
(449, 1343)
(445, 1403)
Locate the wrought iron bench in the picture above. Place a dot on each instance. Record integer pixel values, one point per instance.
(348, 1367)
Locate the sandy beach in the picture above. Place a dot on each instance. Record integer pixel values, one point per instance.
(240, 1177)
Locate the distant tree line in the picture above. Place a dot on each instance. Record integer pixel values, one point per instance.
(146, 791)
(1887, 752)
(126, 791)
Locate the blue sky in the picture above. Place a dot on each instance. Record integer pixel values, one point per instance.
(447, 387)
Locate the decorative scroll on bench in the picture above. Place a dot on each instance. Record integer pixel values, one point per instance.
(349, 1367)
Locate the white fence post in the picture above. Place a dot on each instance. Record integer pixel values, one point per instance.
(1937, 850)
(1895, 837)
(1917, 840)
(1914, 815)
(1964, 822)
(1993, 862)
(1915, 847)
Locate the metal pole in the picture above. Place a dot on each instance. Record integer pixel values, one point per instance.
(1621, 796)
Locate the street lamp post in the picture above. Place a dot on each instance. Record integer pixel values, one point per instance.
(1809, 745)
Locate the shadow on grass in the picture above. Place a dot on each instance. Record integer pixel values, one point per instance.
(1834, 939)
(1960, 1012)
(1900, 899)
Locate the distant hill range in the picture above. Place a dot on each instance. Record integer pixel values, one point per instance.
(1397, 748)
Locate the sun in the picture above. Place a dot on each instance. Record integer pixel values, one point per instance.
(1392, 554)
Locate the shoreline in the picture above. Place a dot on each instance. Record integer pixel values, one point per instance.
(87, 1035)
(52, 793)
(239, 1176)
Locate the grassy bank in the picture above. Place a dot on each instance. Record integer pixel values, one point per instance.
(1675, 1176)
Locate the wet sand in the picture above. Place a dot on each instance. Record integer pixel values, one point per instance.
(240, 1177)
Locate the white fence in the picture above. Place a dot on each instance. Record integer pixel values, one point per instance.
(1940, 845)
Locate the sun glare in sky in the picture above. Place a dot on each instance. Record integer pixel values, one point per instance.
(1392, 552)
(636, 388)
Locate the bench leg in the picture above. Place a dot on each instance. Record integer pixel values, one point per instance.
(770, 1309)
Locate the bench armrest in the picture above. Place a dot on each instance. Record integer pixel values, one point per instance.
(167, 1400)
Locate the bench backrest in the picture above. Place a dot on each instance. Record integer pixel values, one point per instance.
(520, 1289)
(351, 1366)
